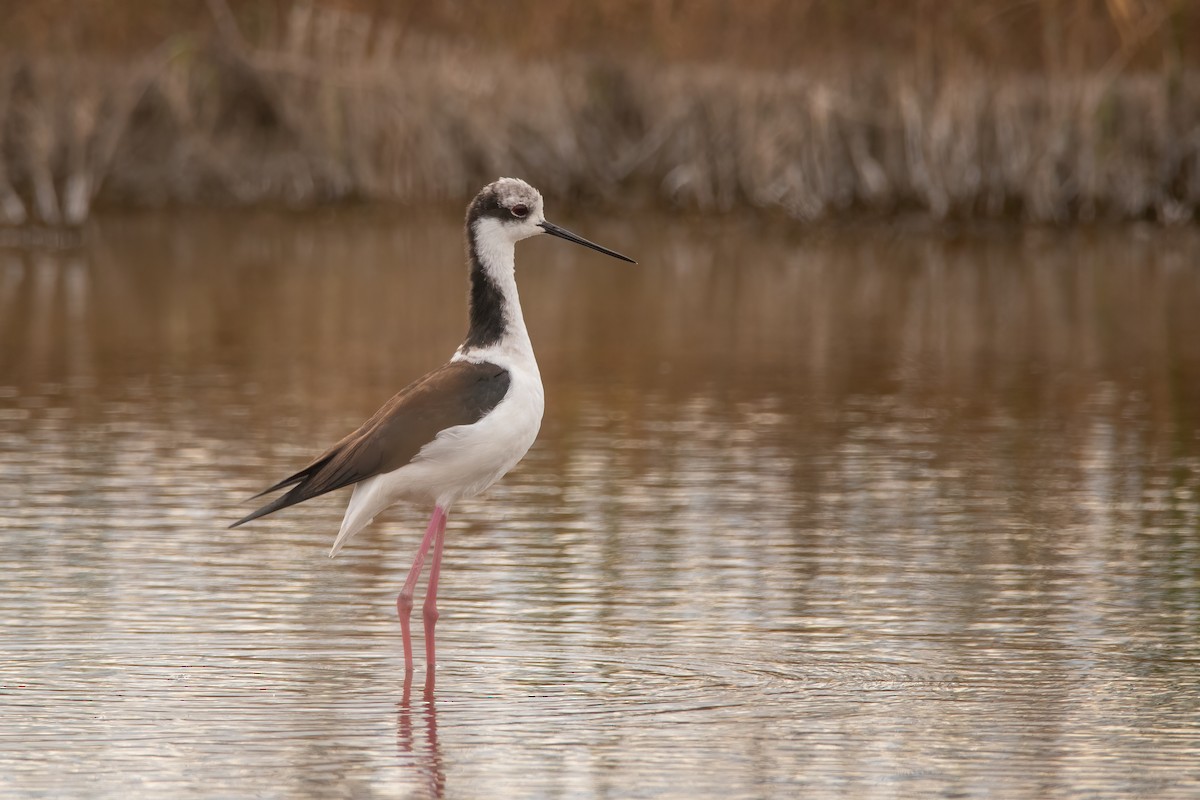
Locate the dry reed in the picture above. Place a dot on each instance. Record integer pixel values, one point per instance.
(340, 105)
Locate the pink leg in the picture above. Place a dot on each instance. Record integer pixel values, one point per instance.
(429, 610)
(404, 603)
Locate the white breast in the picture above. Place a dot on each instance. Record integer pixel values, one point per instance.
(466, 459)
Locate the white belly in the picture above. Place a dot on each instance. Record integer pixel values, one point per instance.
(465, 460)
(461, 462)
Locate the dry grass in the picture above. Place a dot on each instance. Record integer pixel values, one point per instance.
(332, 104)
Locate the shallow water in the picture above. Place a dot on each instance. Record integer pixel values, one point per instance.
(856, 513)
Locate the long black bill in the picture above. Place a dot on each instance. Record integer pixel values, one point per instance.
(563, 233)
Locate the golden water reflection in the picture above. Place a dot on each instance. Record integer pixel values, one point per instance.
(872, 512)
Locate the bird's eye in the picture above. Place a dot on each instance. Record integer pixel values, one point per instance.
(519, 211)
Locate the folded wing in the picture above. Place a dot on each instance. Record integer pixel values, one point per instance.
(459, 393)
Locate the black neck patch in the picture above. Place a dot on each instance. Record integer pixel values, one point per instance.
(485, 301)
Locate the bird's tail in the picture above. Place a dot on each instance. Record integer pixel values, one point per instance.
(365, 503)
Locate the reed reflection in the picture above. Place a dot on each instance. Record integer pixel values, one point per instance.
(1000, 318)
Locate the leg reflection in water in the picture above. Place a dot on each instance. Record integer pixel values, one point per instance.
(418, 743)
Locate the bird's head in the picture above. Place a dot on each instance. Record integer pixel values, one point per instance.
(511, 210)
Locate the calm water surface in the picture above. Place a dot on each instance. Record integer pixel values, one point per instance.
(861, 513)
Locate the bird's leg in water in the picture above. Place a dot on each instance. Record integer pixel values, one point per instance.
(404, 603)
(429, 610)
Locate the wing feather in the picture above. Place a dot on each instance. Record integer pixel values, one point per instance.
(459, 393)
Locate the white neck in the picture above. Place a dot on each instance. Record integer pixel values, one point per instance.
(496, 317)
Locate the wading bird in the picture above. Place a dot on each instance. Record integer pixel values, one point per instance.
(457, 430)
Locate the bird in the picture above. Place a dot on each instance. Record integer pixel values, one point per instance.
(454, 432)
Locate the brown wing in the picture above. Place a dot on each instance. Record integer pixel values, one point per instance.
(460, 393)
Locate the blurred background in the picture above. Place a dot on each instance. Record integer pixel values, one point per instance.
(1044, 110)
(877, 477)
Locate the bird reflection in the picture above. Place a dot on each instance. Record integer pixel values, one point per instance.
(425, 756)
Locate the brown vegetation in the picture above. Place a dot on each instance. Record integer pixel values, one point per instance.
(1051, 110)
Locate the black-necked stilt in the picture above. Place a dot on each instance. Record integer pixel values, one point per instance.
(456, 431)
